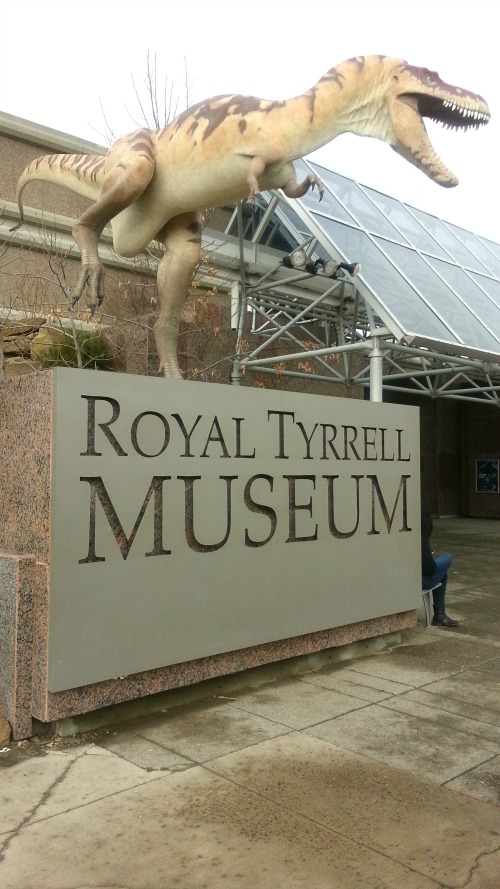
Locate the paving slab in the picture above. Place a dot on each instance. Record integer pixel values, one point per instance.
(483, 782)
(378, 773)
(206, 730)
(447, 646)
(432, 712)
(39, 788)
(431, 830)
(143, 753)
(356, 685)
(414, 670)
(417, 745)
(470, 687)
(444, 702)
(490, 666)
(196, 830)
(484, 873)
(296, 704)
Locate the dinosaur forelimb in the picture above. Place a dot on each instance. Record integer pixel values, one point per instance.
(294, 189)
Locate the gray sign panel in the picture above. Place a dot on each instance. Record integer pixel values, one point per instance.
(190, 519)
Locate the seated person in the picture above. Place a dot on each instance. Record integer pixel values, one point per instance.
(435, 571)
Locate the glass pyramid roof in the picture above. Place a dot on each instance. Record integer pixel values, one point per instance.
(431, 283)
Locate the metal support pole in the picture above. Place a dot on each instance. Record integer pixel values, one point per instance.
(376, 361)
(235, 377)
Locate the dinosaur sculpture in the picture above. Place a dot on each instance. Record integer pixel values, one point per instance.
(152, 185)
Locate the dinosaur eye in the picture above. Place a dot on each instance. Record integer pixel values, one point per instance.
(430, 80)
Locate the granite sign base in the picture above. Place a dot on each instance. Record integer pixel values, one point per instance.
(24, 654)
(38, 505)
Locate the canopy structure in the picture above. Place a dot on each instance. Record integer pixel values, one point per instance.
(422, 312)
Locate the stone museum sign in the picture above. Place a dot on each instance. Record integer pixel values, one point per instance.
(190, 519)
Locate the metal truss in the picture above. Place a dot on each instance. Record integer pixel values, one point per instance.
(323, 328)
(420, 371)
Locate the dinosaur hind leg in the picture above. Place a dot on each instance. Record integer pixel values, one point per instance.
(129, 167)
(181, 238)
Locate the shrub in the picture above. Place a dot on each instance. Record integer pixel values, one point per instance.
(95, 352)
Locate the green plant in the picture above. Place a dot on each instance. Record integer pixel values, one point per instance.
(94, 349)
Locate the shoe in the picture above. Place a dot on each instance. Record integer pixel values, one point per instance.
(442, 620)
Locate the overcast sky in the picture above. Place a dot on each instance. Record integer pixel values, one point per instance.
(62, 63)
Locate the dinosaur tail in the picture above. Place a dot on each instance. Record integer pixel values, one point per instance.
(81, 173)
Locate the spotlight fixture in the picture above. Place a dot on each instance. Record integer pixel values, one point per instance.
(312, 267)
(329, 268)
(295, 260)
(353, 268)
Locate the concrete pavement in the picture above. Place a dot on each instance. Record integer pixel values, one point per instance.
(378, 773)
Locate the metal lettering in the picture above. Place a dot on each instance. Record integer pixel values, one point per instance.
(385, 512)
(98, 489)
(253, 506)
(91, 423)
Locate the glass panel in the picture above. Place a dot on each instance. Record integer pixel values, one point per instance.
(294, 219)
(492, 288)
(487, 334)
(473, 243)
(463, 326)
(431, 288)
(491, 245)
(279, 238)
(358, 204)
(392, 291)
(329, 203)
(275, 233)
(397, 213)
(448, 240)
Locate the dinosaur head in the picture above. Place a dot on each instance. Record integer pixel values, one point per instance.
(413, 94)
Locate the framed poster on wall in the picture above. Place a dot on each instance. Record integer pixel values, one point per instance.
(487, 476)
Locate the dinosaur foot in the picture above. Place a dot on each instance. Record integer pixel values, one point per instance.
(90, 304)
(170, 370)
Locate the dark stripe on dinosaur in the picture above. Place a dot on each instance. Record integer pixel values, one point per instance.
(195, 227)
(90, 160)
(186, 115)
(96, 170)
(216, 111)
(333, 74)
(143, 146)
(137, 134)
(422, 74)
(359, 61)
(82, 163)
(311, 97)
(238, 106)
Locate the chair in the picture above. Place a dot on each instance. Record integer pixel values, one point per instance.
(426, 598)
